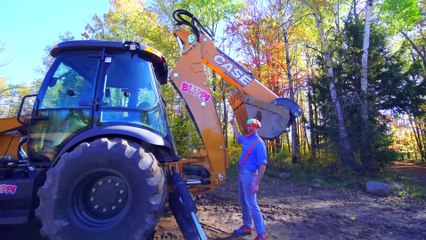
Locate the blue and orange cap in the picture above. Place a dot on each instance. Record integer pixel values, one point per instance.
(254, 121)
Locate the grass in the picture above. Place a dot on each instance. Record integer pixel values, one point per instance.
(331, 176)
(403, 185)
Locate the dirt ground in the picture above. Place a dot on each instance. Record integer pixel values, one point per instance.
(292, 211)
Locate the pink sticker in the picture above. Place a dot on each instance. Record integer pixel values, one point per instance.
(195, 91)
(8, 189)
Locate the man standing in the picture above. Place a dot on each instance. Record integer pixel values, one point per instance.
(252, 165)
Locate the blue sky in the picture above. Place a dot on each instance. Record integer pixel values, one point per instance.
(28, 26)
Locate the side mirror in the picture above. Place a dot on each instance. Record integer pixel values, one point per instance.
(26, 109)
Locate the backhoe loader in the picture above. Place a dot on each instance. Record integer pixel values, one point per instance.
(96, 159)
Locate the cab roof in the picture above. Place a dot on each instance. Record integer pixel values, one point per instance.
(149, 53)
(86, 45)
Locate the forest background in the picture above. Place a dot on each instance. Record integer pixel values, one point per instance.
(356, 67)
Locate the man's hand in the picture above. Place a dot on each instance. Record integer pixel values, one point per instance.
(234, 127)
(255, 188)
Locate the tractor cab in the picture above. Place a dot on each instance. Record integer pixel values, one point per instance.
(94, 85)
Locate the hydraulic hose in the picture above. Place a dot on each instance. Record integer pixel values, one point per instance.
(180, 16)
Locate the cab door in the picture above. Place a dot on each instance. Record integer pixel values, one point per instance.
(64, 103)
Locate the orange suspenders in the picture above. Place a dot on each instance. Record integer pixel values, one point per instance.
(248, 152)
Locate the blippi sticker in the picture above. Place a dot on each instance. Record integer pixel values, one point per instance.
(196, 91)
(8, 189)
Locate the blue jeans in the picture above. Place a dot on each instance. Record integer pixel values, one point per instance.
(248, 201)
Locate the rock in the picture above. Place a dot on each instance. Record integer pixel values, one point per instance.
(378, 188)
(285, 175)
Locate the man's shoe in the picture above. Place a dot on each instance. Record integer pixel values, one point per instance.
(243, 230)
(261, 237)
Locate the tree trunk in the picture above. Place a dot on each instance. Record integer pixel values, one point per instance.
(312, 149)
(294, 137)
(311, 92)
(415, 126)
(365, 129)
(277, 143)
(287, 138)
(346, 153)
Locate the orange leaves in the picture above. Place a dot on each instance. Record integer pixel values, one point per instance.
(259, 34)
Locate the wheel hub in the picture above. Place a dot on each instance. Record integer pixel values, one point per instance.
(106, 197)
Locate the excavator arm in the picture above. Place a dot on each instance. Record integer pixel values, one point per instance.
(249, 99)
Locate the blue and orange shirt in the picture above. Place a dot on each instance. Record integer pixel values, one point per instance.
(257, 155)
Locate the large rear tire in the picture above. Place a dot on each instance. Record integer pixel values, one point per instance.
(106, 189)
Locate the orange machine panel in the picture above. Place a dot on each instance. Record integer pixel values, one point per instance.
(11, 133)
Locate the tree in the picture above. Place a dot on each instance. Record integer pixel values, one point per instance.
(346, 153)
(211, 12)
(256, 38)
(282, 11)
(4, 96)
(10, 97)
(268, 38)
(4, 89)
(129, 20)
(365, 154)
(405, 17)
(418, 131)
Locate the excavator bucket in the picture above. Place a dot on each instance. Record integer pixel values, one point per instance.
(276, 117)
